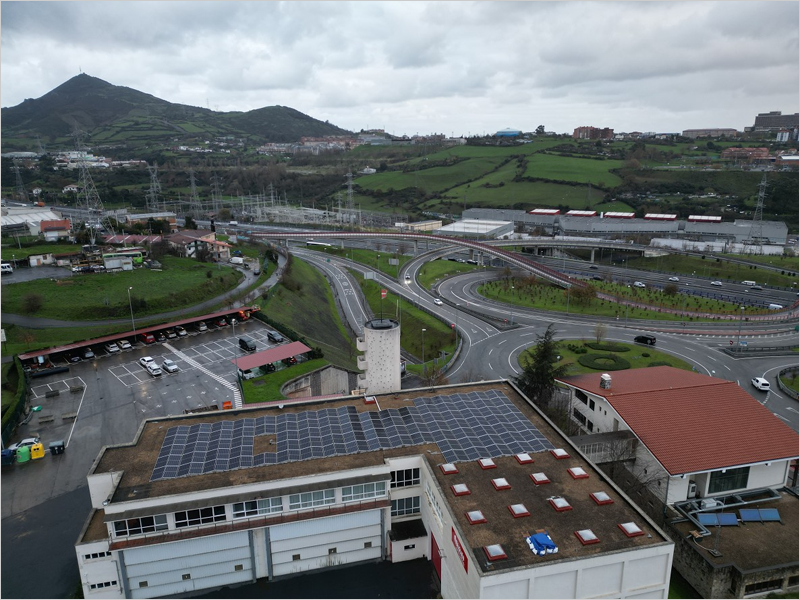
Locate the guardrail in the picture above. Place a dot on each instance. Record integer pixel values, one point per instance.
(787, 390)
(762, 350)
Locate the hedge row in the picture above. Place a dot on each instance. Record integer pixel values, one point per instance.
(607, 347)
(604, 362)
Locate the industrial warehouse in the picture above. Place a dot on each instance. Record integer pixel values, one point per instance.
(472, 477)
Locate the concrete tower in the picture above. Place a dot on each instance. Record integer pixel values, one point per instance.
(381, 360)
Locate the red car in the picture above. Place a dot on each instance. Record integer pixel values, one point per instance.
(290, 361)
(221, 322)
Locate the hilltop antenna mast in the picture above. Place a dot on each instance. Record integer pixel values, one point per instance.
(155, 188)
(21, 194)
(756, 229)
(88, 198)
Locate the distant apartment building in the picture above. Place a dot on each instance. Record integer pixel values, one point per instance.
(711, 132)
(593, 133)
(786, 135)
(774, 121)
(749, 154)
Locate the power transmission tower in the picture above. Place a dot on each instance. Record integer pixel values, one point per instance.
(194, 199)
(216, 197)
(88, 198)
(21, 194)
(756, 229)
(155, 189)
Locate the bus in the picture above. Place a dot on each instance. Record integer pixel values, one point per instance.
(317, 245)
(137, 255)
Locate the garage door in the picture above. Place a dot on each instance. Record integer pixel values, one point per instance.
(188, 565)
(327, 542)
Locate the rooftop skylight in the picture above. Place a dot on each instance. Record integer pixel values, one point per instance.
(487, 463)
(475, 516)
(460, 489)
(519, 510)
(494, 552)
(630, 529)
(559, 453)
(601, 498)
(587, 536)
(539, 478)
(449, 469)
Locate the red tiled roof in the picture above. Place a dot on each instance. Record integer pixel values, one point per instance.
(691, 422)
(55, 225)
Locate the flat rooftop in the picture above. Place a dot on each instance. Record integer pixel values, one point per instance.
(462, 447)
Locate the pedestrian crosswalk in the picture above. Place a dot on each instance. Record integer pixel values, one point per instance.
(237, 394)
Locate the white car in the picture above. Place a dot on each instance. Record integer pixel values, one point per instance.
(437, 302)
(180, 331)
(26, 442)
(408, 277)
(674, 279)
(124, 345)
(638, 284)
(717, 283)
(760, 384)
(169, 366)
(154, 369)
(111, 348)
(146, 360)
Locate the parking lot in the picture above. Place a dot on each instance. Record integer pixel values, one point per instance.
(104, 400)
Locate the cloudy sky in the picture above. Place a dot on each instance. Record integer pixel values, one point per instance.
(424, 67)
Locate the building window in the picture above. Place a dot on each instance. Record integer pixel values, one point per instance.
(409, 547)
(591, 404)
(140, 525)
(405, 477)
(363, 491)
(731, 479)
(95, 555)
(367, 544)
(763, 586)
(143, 584)
(295, 557)
(186, 576)
(581, 396)
(589, 425)
(201, 516)
(792, 581)
(312, 499)
(405, 506)
(331, 551)
(238, 567)
(100, 586)
(579, 417)
(254, 508)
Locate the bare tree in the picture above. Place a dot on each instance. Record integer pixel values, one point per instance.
(600, 332)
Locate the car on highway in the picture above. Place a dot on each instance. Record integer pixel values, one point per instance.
(597, 278)
(437, 302)
(674, 278)
(181, 331)
(760, 384)
(124, 345)
(169, 366)
(716, 283)
(593, 267)
(201, 326)
(26, 442)
(111, 348)
(756, 287)
(650, 340)
(638, 284)
(408, 277)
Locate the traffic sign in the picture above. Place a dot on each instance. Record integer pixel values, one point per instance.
(383, 294)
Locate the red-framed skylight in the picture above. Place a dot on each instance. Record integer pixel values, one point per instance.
(559, 453)
(578, 473)
(494, 552)
(524, 458)
(519, 510)
(449, 469)
(460, 489)
(539, 478)
(559, 504)
(601, 498)
(475, 516)
(370, 400)
(587, 536)
(486, 463)
(630, 529)
(501, 483)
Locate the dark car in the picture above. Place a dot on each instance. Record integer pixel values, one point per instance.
(597, 278)
(756, 287)
(645, 339)
(269, 368)
(593, 266)
(171, 334)
(73, 358)
(274, 337)
(160, 337)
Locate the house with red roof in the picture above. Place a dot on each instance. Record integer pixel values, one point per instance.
(701, 436)
(54, 229)
(190, 241)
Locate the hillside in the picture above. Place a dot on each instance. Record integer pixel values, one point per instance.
(113, 114)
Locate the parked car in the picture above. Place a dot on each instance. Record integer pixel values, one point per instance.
(169, 366)
(147, 338)
(160, 337)
(221, 322)
(180, 331)
(275, 337)
(269, 368)
(146, 360)
(437, 302)
(673, 278)
(124, 345)
(171, 333)
(87, 353)
(201, 326)
(760, 384)
(111, 348)
(73, 358)
(154, 369)
(26, 442)
(717, 283)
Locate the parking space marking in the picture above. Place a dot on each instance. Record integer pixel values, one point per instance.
(237, 396)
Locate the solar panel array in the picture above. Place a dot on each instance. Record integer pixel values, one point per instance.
(465, 426)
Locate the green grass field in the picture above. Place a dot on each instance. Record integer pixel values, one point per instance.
(435, 270)
(97, 296)
(10, 252)
(436, 179)
(267, 388)
(580, 170)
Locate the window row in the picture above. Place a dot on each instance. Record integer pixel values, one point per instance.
(99, 586)
(363, 491)
(311, 499)
(253, 508)
(405, 477)
(140, 525)
(405, 506)
(95, 555)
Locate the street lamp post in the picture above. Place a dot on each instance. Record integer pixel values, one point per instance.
(130, 304)
(569, 287)
(739, 336)
(424, 368)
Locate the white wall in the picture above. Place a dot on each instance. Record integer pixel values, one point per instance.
(98, 570)
(402, 550)
(382, 347)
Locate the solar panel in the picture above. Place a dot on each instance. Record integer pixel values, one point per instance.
(769, 514)
(707, 519)
(749, 515)
(727, 519)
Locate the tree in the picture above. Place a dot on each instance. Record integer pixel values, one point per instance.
(582, 295)
(670, 289)
(31, 303)
(537, 380)
(189, 223)
(600, 332)
(540, 130)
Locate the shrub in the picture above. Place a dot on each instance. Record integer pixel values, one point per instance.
(645, 355)
(607, 347)
(604, 362)
(658, 363)
(31, 303)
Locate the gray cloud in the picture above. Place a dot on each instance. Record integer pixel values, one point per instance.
(424, 66)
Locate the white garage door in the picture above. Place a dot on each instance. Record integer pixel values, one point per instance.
(326, 542)
(188, 565)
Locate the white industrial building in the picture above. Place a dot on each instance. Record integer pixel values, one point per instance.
(470, 476)
(477, 229)
(380, 343)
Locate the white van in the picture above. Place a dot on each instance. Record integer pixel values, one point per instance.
(775, 307)
(748, 283)
(7, 269)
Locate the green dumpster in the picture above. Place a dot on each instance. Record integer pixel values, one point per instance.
(23, 454)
